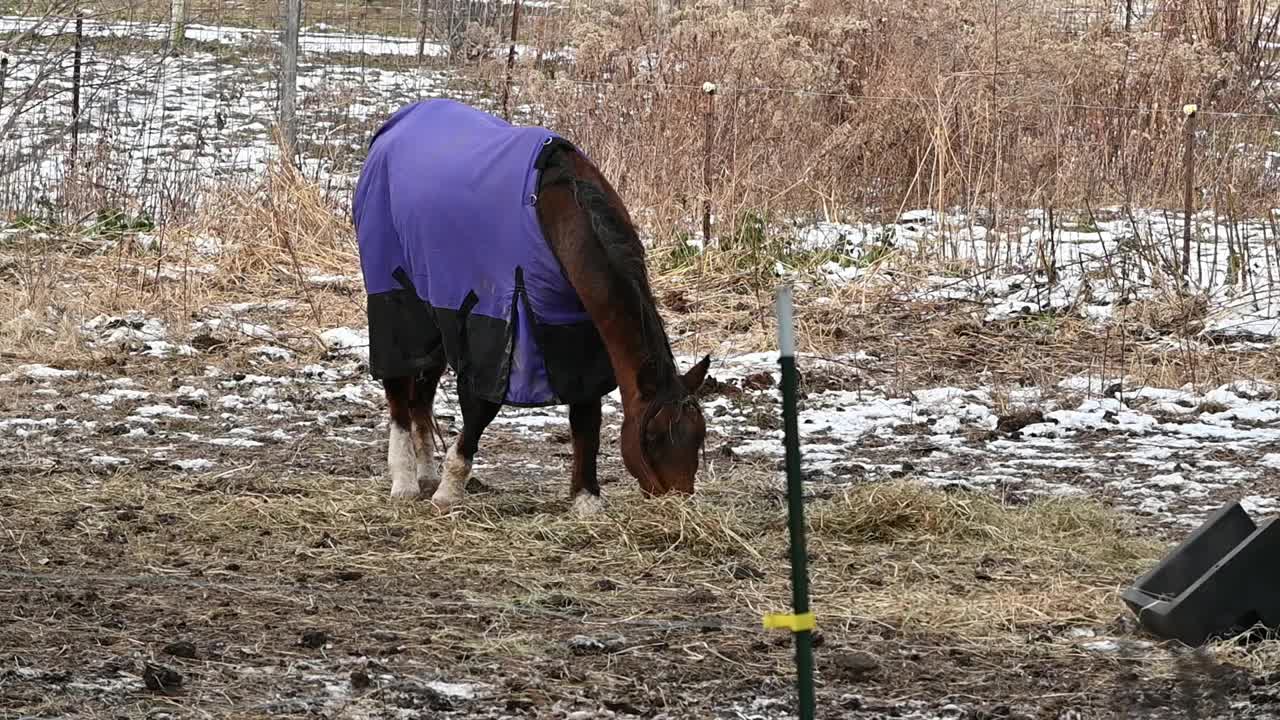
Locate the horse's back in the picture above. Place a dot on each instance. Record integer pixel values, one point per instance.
(451, 191)
(461, 186)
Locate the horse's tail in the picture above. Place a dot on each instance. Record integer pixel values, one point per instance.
(437, 437)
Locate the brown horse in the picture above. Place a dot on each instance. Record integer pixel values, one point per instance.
(592, 237)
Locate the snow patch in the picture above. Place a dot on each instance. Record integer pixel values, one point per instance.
(193, 465)
(165, 411)
(347, 341)
(108, 461)
(39, 372)
(235, 442)
(272, 352)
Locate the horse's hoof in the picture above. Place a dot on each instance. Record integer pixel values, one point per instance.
(587, 504)
(405, 492)
(445, 503)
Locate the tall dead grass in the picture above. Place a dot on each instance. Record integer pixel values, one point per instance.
(827, 106)
(825, 109)
(280, 228)
(281, 237)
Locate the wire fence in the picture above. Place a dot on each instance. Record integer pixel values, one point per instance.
(117, 106)
(144, 106)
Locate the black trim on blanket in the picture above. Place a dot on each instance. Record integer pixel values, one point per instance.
(403, 337)
(402, 277)
(406, 337)
(577, 363)
(578, 366)
(550, 148)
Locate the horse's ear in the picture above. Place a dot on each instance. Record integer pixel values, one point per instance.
(697, 375)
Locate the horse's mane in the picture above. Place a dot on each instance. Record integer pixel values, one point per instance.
(625, 258)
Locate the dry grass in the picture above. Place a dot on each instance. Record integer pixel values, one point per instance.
(859, 109)
(853, 111)
(267, 239)
(932, 343)
(274, 229)
(1056, 559)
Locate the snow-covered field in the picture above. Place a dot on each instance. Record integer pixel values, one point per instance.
(1172, 453)
(1097, 271)
(317, 39)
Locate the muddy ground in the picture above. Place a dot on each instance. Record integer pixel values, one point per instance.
(200, 528)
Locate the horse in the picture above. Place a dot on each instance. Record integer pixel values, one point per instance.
(503, 253)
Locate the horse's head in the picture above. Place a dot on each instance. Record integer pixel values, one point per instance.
(662, 436)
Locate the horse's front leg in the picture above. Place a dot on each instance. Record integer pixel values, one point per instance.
(584, 488)
(476, 416)
(401, 462)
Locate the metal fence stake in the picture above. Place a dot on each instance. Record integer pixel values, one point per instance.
(801, 621)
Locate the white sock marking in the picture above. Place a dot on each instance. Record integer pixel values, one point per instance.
(585, 504)
(400, 463)
(456, 473)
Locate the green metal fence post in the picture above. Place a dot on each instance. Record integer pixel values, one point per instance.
(801, 622)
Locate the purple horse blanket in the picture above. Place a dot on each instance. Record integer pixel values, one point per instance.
(445, 211)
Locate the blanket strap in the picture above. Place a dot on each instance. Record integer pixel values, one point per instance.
(402, 277)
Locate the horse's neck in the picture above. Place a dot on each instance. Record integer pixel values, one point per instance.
(624, 340)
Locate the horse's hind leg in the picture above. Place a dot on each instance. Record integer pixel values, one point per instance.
(425, 432)
(401, 463)
(476, 416)
(584, 490)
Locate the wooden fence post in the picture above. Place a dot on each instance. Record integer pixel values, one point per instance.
(1188, 188)
(422, 28)
(177, 24)
(289, 76)
(708, 136)
(4, 74)
(511, 60)
(75, 89)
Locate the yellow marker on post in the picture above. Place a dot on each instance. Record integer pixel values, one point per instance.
(794, 623)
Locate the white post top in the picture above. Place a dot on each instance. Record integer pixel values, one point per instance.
(786, 328)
